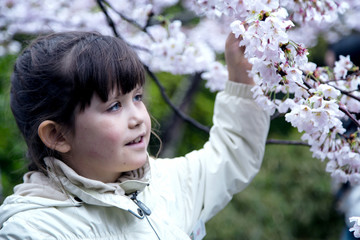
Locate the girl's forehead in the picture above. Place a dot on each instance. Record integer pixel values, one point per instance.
(116, 92)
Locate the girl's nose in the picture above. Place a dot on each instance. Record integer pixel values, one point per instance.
(136, 118)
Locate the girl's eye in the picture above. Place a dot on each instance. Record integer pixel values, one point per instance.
(115, 107)
(138, 97)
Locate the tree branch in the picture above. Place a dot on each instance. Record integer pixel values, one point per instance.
(349, 115)
(276, 115)
(108, 18)
(172, 129)
(131, 21)
(346, 93)
(286, 142)
(185, 117)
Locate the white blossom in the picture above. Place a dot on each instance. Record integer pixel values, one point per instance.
(342, 66)
(216, 77)
(356, 227)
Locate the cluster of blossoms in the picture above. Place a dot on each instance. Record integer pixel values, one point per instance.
(319, 112)
(315, 100)
(162, 45)
(315, 11)
(322, 17)
(38, 17)
(171, 51)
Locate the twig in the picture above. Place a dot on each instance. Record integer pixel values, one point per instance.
(108, 18)
(276, 115)
(349, 115)
(341, 107)
(170, 128)
(286, 142)
(131, 21)
(192, 89)
(346, 93)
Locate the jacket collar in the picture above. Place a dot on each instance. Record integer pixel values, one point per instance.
(128, 182)
(63, 183)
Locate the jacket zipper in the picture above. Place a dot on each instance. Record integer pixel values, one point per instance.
(143, 211)
(140, 204)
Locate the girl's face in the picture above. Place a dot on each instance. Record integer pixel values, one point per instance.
(111, 137)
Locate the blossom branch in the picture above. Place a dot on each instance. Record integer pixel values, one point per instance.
(129, 20)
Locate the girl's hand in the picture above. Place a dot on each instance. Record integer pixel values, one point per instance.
(236, 62)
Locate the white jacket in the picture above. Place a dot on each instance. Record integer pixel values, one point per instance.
(178, 191)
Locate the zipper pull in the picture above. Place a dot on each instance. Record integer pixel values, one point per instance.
(140, 204)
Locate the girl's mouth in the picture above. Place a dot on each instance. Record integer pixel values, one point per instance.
(135, 141)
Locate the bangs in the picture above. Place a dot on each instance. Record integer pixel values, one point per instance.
(101, 65)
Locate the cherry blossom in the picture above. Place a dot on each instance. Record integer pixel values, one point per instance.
(216, 76)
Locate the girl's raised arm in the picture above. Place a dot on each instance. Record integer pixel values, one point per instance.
(198, 185)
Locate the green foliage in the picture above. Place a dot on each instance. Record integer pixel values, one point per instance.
(153, 100)
(202, 111)
(317, 53)
(11, 144)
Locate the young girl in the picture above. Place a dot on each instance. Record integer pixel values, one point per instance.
(77, 99)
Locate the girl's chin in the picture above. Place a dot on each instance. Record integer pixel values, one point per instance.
(140, 163)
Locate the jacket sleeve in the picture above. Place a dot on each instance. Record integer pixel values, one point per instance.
(204, 181)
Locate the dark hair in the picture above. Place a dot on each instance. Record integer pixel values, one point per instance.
(58, 73)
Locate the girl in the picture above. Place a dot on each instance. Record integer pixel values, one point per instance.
(77, 99)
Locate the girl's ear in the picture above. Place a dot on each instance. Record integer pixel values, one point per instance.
(52, 136)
